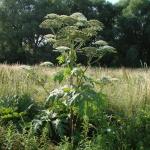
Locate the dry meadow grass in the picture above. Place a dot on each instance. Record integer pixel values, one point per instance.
(130, 92)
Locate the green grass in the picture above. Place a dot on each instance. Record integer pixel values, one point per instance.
(128, 100)
(15, 80)
(129, 93)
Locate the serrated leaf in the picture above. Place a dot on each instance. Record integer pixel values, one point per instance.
(59, 77)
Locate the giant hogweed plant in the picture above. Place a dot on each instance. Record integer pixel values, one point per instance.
(71, 108)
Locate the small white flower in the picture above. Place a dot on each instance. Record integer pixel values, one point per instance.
(107, 48)
(51, 16)
(62, 48)
(49, 36)
(46, 64)
(26, 67)
(108, 130)
(100, 42)
(79, 16)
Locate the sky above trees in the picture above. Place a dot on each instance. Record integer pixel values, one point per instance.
(113, 1)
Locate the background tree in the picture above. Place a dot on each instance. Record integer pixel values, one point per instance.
(19, 27)
(133, 30)
(126, 27)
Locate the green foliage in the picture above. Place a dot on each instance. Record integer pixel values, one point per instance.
(20, 35)
(71, 33)
(126, 25)
(52, 124)
(59, 77)
(80, 102)
(118, 121)
(12, 139)
(137, 128)
(16, 108)
(75, 113)
(133, 32)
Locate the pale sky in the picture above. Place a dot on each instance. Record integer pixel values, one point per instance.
(113, 1)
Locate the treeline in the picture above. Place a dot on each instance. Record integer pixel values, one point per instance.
(126, 27)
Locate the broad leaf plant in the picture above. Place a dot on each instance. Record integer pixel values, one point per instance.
(77, 103)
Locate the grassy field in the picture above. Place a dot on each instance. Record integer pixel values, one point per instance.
(129, 93)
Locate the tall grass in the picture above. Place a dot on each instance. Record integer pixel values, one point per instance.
(15, 80)
(129, 93)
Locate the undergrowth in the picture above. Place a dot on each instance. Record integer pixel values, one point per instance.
(71, 110)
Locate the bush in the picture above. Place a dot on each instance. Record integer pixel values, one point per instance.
(17, 108)
(138, 130)
(12, 139)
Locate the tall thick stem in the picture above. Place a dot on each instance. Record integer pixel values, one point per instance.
(71, 122)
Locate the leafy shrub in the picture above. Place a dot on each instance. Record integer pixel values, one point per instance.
(2, 137)
(121, 132)
(74, 108)
(16, 108)
(138, 131)
(11, 139)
